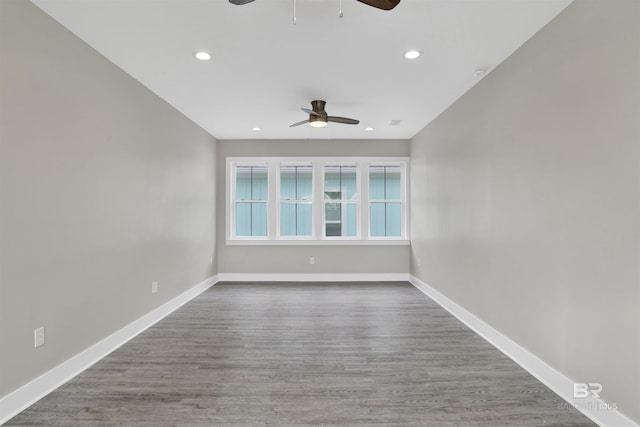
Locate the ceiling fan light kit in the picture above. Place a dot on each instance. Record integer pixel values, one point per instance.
(317, 123)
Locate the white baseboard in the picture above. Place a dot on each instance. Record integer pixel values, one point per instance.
(25, 396)
(313, 277)
(600, 412)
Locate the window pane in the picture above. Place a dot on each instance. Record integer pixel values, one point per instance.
(340, 183)
(251, 183)
(287, 219)
(376, 183)
(333, 229)
(243, 183)
(341, 219)
(351, 219)
(295, 219)
(393, 214)
(305, 188)
(296, 182)
(384, 183)
(377, 220)
(392, 180)
(303, 219)
(251, 219)
(243, 219)
(332, 212)
(287, 183)
(259, 183)
(386, 219)
(259, 219)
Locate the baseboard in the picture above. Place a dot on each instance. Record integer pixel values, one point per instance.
(25, 396)
(314, 277)
(600, 412)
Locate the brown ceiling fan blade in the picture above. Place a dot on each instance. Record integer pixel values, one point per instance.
(344, 120)
(308, 111)
(240, 2)
(299, 123)
(381, 4)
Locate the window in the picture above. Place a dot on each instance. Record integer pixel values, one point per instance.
(251, 198)
(296, 193)
(340, 201)
(385, 196)
(316, 201)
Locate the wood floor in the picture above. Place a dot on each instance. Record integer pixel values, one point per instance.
(296, 354)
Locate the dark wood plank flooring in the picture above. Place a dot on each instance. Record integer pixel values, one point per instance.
(313, 353)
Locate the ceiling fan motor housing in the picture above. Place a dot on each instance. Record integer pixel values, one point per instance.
(318, 107)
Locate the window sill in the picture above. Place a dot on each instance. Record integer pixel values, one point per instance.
(371, 242)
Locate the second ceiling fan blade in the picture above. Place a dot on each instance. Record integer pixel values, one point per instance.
(299, 123)
(308, 111)
(344, 120)
(381, 4)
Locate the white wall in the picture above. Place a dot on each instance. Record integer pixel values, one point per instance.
(526, 198)
(104, 189)
(295, 259)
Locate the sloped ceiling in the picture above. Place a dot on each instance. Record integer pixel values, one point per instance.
(264, 68)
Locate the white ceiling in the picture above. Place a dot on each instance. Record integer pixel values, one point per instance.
(264, 68)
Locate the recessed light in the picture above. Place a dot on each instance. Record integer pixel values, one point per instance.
(256, 129)
(203, 56)
(368, 129)
(412, 54)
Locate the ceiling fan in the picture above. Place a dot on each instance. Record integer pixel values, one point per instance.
(318, 118)
(379, 4)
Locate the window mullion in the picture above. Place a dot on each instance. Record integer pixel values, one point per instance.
(364, 200)
(318, 200)
(273, 201)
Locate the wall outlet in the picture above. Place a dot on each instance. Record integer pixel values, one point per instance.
(211, 261)
(154, 287)
(312, 260)
(38, 337)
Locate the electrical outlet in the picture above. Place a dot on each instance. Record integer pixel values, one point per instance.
(38, 337)
(154, 287)
(211, 261)
(312, 260)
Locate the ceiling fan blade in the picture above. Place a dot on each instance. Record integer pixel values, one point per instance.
(299, 123)
(380, 4)
(308, 111)
(240, 2)
(344, 120)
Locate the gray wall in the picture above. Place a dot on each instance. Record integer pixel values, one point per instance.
(104, 189)
(295, 259)
(526, 198)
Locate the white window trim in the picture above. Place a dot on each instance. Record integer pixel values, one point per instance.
(404, 198)
(317, 237)
(231, 205)
(357, 201)
(287, 162)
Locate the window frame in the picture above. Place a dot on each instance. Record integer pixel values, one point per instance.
(318, 229)
(403, 199)
(279, 236)
(357, 201)
(231, 202)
